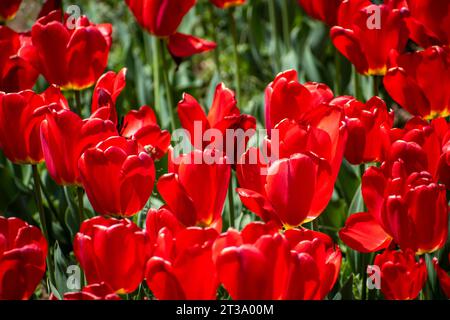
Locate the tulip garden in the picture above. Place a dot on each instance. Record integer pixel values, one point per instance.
(224, 150)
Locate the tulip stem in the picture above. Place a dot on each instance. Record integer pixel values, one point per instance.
(273, 22)
(215, 39)
(78, 103)
(237, 75)
(285, 14)
(167, 84)
(364, 276)
(156, 75)
(357, 85)
(80, 194)
(376, 86)
(38, 198)
(338, 70)
(231, 202)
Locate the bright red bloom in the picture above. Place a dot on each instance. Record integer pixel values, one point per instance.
(366, 44)
(444, 278)
(16, 73)
(287, 98)
(408, 208)
(323, 10)
(65, 136)
(223, 116)
(182, 45)
(224, 4)
(261, 264)
(368, 128)
(402, 277)
(8, 9)
(70, 58)
(195, 190)
(19, 127)
(429, 23)
(111, 251)
(49, 6)
(411, 82)
(23, 250)
(96, 291)
(182, 266)
(117, 177)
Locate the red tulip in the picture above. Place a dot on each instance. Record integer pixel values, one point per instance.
(182, 266)
(407, 208)
(23, 251)
(195, 192)
(49, 6)
(260, 264)
(224, 117)
(368, 128)
(411, 82)
(96, 291)
(8, 9)
(111, 251)
(323, 10)
(429, 23)
(287, 98)
(444, 278)
(19, 128)
(65, 136)
(225, 4)
(141, 125)
(402, 277)
(70, 58)
(16, 72)
(118, 179)
(366, 44)
(182, 45)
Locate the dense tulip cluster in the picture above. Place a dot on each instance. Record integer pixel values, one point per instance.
(149, 217)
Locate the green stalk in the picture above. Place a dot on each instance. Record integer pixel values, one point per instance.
(285, 14)
(78, 105)
(364, 275)
(231, 202)
(215, 39)
(237, 75)
(357, 85)
(167, 85)
(156, 75)
(338, 71)
(80, 194)
(273, 22)
(376, 85)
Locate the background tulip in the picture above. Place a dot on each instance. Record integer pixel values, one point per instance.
(23, 250)
(95, 247)
(118, 179)
(444, 278)
(96, 291)
(8, 9)
(323, 10)
(224, 4)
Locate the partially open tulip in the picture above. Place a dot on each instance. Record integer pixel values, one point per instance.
(443, 276)
(23, 250)
(224, 4)
(182, 266)
(368, 128)
(402, 277)
(117, 177)
(111, 251)
(194, 189)
(369, 36)
(411, 82)
(19, 127)
(224, 117)
(65, 136)
(323, 10)
(429, 23)
(96, 291)
(409, 209)
(8, 9)
(72, 58)
(259, 264)
(182, 45)
(16, 73)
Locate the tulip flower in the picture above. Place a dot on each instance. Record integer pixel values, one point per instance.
(23, 250)
(16, 72)
(182, 266)
(8, 9)
(411, 82)
(287, 98)
(64, 137)
(402, 277)
(118, 179)
(323, 10)
(428, 23)
(259, 264)
(409, 209)
(158, 219)
(19, 127)
(96, 291)
(444, 278)
(111, 251)
(368, 128)
(368, 41)
(224, 116)
(195, 191)
(72, 58)
(225, 4)
(162, 19)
